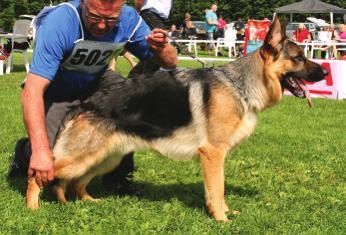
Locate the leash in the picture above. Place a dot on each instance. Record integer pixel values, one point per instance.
(187, 52)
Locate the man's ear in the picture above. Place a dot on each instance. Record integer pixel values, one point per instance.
(276, 34)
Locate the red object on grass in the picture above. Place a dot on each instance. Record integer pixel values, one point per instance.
(3, 53)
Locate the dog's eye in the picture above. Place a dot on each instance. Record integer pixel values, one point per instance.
(299, 58)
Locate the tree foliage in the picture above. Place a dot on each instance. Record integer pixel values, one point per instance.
(11, 9)
(229, 9)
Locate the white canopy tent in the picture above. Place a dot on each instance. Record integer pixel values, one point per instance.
(311, 6)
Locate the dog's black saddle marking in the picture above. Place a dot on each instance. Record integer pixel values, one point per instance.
(148, 106)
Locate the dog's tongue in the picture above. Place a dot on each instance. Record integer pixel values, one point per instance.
(306, 92)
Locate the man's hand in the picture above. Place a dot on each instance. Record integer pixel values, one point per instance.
(41, 167)
(157, 40)
(165, 53)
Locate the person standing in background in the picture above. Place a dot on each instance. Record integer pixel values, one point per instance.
(222, 24)
(127, 55)
(154, 12)
(211, 25)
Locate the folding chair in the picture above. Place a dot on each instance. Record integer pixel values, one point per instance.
(20, 28)
(192, 44)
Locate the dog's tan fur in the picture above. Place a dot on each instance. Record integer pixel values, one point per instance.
(210, 136)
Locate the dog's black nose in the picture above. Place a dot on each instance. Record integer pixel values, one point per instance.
(325, 72)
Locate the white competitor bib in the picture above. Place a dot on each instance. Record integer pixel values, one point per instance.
(91, 57)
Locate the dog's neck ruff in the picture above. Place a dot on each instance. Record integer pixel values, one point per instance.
(246, 77)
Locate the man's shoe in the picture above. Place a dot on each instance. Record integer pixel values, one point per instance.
(20, 160)
(119, 180)
(122, 187)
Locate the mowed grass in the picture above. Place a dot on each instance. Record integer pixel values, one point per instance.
(288, 178)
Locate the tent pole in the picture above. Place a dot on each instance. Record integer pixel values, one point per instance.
(291, 18)
(331, 18)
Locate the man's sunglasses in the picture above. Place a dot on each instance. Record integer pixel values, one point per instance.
(97, 19)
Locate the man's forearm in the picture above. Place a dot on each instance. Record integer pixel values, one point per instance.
(34, 118)
(167, 57)
(211, 22)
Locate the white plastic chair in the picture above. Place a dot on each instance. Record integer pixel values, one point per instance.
(20, 28)
(192, 44)
(323, 37)
(228, 41)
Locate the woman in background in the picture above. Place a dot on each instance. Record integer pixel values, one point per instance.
(190, 30)
(302, 34)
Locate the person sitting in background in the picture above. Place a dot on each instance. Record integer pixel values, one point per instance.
(188, 22)
(174, 31)
(341, 37)
(302, 34)
(190, 29)
(221, 27)
(327, 35)
(240, 27)
(342, 33)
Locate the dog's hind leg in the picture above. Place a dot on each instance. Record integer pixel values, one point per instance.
(80, 188)
(106, 166)
(60, 191)
(32, 194)
(212, 161)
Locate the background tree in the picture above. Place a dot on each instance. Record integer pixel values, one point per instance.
(230, 9)
(11, 9)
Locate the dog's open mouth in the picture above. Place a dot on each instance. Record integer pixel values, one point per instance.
(297, 87)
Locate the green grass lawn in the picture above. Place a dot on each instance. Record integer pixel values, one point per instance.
(288, 178)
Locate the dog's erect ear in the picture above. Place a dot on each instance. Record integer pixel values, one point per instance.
(275, 36)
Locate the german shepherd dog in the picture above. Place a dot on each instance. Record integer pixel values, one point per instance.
(201, 113)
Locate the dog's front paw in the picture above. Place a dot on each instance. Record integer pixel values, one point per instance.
(218, 213)
(89, 198)
(235, 212)
(225, 207)
(32, 194)
(221, 217)
(32, 204)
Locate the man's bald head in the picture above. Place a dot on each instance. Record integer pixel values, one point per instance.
(214, 7)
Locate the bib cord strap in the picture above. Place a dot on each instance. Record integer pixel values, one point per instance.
(79, 19)
(137, 26)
